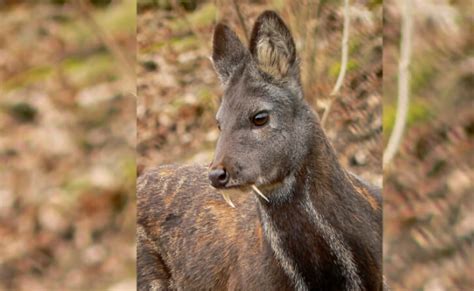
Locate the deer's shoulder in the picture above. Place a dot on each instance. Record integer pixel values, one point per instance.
(371, 193)
(169, 179)
(168, 186)
(187, 220)
(177, 193)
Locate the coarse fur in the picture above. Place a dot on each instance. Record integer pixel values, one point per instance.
(322, 226)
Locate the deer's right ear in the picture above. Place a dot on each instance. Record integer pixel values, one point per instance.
(273, 47)
(228, 52)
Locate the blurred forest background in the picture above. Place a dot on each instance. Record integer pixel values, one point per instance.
(68, 131)
(67, 145)
(178, 89)
(428, 187)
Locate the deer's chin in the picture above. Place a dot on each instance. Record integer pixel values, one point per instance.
(234, 190)
(233, 187)
(268, 184)
(246, 186)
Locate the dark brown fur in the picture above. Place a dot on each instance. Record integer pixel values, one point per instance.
(190, 239)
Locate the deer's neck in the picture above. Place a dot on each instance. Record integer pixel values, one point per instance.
(301, 224)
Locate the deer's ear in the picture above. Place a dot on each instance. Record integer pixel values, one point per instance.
(273, 47)
(228, 52)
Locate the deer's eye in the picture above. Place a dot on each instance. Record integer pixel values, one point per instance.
(261, 118)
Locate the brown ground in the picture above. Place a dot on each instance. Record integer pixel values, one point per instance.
(67, 134)
(429, 222)
(67, 156)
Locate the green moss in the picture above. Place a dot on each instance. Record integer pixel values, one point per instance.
(177, 103)
(352, 65)
(118, 19)
(278, 4)
(418, 111)
(73, 187)
(354, 45)
(389, 112)
(375, 3)
(177, 44)
(422, 73)
(185, 43)
(202, 17)
(76, 33)
(188, 5)
(129, 171)
(154, 47)
(80, 71)
(205, 96)
(28, 77)
(83, 72)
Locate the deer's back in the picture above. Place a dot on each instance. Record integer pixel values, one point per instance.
(190, 238)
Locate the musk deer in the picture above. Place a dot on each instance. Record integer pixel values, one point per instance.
(312, 226)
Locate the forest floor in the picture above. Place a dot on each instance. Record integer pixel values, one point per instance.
(428, 188)
(67, 147)
(68, 137)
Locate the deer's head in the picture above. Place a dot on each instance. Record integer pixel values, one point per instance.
(263, 119)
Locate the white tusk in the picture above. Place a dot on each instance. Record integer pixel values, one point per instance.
(259, 193)
(227, 199)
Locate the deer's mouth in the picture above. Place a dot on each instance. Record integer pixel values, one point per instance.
(260, 187)
(233, 189)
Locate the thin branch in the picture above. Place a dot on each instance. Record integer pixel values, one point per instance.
(403, 85)
(344, 60)
(309, 50)
(241, 20)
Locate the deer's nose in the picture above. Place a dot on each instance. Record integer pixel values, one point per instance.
(218, 177)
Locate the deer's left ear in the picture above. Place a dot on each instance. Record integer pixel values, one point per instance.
(228, 53)
(273, 47)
